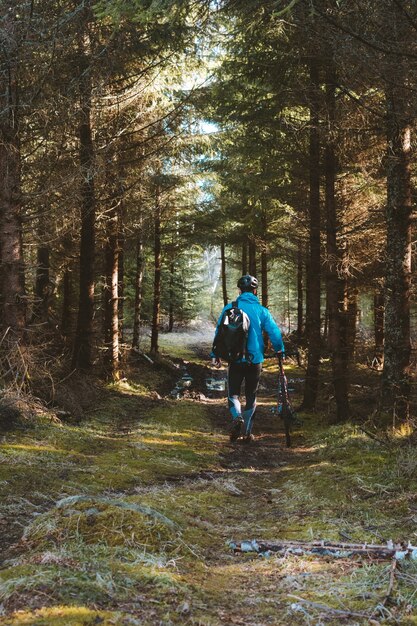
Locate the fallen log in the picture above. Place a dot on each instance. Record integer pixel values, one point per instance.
(329, 548)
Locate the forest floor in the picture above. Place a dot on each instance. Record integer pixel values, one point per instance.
(126, 517)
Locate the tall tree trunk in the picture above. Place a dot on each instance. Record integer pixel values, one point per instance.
(325, 336)
(42, 284)
(171, 297)
(111, 308)
(12, 277)
(223, 272)
(300, 285)
(314, 264)
(334, 283)
(67, 299)
(264, 260)
(121, 189)
(397, 349)
(264, 277)
(288, 307)
(379, 305)
(157, 279)
(140, 264)
(83, 344)
(244, 257)
(121, 276)
(351, 312)
(264, 299)
(252, 256)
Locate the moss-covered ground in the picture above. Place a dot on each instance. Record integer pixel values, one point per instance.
(125, 518)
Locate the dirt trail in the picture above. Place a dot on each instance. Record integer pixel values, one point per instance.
(245, 590)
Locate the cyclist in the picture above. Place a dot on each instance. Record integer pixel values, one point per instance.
(249, 367)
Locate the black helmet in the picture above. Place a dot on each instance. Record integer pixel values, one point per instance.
(247, 283)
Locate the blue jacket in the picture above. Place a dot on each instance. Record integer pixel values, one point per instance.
(260, 320)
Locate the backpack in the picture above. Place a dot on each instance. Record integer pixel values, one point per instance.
(232, 333)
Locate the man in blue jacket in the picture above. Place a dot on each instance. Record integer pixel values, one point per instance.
(249, 367)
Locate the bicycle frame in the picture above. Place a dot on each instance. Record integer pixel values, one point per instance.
(284, 405)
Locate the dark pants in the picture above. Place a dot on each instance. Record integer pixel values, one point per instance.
(250, 373)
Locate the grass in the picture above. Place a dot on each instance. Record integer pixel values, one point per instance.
(126, 518)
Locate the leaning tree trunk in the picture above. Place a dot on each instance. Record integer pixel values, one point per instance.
(157, 280)
(397, 349)
(83, 344)
(334, 282)
(140, 264)
(223, 272)
(12, 278)
(314, 261)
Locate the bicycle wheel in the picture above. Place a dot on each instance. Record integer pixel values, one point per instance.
(287, 417)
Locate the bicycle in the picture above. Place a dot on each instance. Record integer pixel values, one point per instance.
(285, 408)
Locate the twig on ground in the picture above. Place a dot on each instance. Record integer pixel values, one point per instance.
(66, 377)
(381, 606)
(392, 572)
(144, 356)
(339, 612)
(387, 444)
(6, 332)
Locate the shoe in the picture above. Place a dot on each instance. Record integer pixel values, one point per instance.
(235, 428)
(248, 438)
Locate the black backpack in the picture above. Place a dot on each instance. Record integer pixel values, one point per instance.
(232, 333)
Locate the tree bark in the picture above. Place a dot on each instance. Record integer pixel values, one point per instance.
(244, 257)
(83, 344)
(67, 298)
(252, 256)
(42, 284)
(12, 278)
(397, 349)
(264, 277)
(121, 276)
(300, 285)
(171, 297)
(264, 260)
(334, 282)
(379, 306)
(314, 264)
(325, 335)
(223, 272)
(140, 264)
(351, 313)
(111, 308)
(157, 279)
